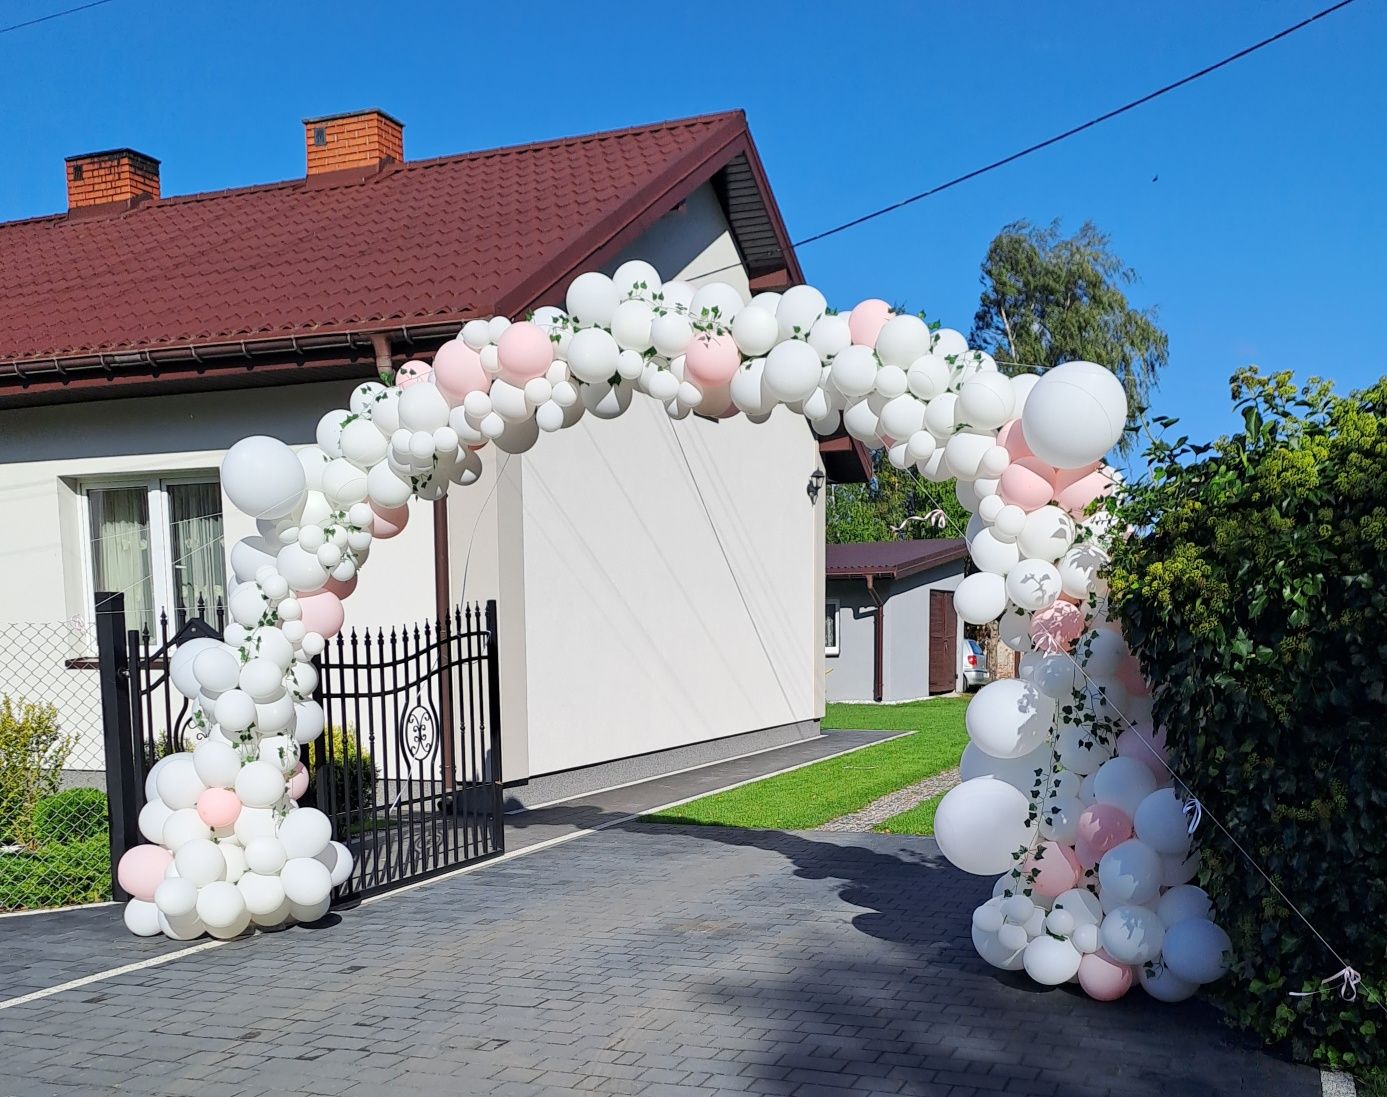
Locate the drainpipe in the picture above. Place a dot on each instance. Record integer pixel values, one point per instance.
(385, 362)
(878, 637)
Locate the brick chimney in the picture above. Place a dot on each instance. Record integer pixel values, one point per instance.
(361, 139)
(105, 178)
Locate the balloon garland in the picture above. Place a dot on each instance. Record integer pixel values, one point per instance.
(1076, 814)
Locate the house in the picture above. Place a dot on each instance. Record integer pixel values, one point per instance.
(658, 582)
(890, 630)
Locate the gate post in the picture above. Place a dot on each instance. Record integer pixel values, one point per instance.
(122, 797)
(493, 687)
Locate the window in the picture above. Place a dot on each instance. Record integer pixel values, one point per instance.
(159, 542)
(831, 626)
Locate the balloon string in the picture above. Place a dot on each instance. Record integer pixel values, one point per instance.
(1195, 811)
(1348, 981)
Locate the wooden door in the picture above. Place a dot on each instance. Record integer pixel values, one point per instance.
(943, 642)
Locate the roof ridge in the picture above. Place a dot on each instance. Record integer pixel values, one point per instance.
(431, 162)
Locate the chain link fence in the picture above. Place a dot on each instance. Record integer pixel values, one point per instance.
(54, 847)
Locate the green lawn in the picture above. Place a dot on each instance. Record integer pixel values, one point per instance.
(916, 820)
(825, 790)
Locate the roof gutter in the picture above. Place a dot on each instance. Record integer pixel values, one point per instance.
(878, 638)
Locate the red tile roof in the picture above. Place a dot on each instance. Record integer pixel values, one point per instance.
(412, 244)
(892, 559)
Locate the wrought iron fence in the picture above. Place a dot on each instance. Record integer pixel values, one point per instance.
(53, 825)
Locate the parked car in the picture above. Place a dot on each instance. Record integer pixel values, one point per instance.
(974, 665)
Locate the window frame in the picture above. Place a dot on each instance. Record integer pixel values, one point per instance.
(156, 485)
(837, 606)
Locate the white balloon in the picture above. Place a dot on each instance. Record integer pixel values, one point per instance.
(153, 816)
(423, 407)
(798, 310)
(902, 340)
(1124, 783)
(1047, 534)
(990, 947)
(1009, 523)
(1180, 870)
(1161, 823)
(990, 554)
(249, 555)
(302, 569)
(216, 668)
(1196, 950)
(183, 826)
(260, 785)
(176, 897)
(181, 666)
(262, 477)
(265, 855)
(631, 325)
(1074, 414)
(304, 833)
(1182, 902)
(220, 905)
(338, 859)
(1033, 584)
(593, 356)
(255, 823)
(671, 334)
(854, 371)
(200, 861)
(891, 382)
(1018, 771)
(178, 782)
(980, 597)
(306, 881)
(262, 893)
(939, 416)
(792, 371)
(928, 376)
(262, 680)
(1051, 962)
(980, 824)
(216, 764)
(1130, 872)
(830, 335)
(1079, 568)
(309, 721)
(1008, 718)
(1132, 934)
(1163, 984)
(141, 918)
(986, 400)
(860, 420)
(362, 443)
(592, 299)
(1086, 939)
(1014, 629)
(634, 278)
(1082, 904)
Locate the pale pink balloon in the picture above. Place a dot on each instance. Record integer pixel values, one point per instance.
(1075, 495)
(1146, 746)
(1057, 869)
(1102, 978)
(323, 613)
(1055, 628)
(340, 587)
(412, 372)
(1028, 483)
(715, 402)
(218, 807)
(141, 870)
(457, 370)
(1129, 674)
(711, 361)
(298, 782)
(386, 522)
(866, 321)
(1011, 438)
(523, 352)
(1101, 827)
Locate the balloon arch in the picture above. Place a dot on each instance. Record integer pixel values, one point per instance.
(1066, 797)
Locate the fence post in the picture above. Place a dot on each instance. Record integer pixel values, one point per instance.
(121, 795)
(493, 685)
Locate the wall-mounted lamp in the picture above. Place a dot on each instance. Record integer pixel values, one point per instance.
(815, 485)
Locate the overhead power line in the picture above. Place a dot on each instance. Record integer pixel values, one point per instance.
(1057, 138)
(55, 15)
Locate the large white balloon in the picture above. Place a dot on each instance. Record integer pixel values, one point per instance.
(1075, 413)
(981, 823)
(1009, 718)
(1196, 950)
(1132, 934)
(263, 478)
(980, 597)
(1130, 872)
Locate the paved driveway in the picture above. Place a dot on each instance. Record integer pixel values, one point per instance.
(641, 959)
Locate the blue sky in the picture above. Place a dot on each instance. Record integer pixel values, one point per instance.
(1262, 241)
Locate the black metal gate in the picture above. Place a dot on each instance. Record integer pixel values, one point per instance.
(408, 770)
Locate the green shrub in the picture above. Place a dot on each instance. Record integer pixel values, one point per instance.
(345, 777)
(1255, 596)
(55, 876)
(76, 815)
(33, 751)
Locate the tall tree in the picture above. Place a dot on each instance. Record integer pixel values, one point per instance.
(1049, 298)
(883, 508)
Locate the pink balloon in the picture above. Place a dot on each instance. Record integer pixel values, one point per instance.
(342, 588)
(1014, 441)
(457, 370)
(1057, 869)
(388, 521)
(1102, 978)
(711, 360)
(323, 613)
(1028, 483)
(298, 782)
(141, 870)
(1055, 628)
(867, 319)
(412, 372)
(524, 352)
(218, 807)
(1147, 746)
(1129, 674)
(1101, 827)
(1075, 495)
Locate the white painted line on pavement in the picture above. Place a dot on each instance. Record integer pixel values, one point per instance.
(156, 961)
(1334, 1084)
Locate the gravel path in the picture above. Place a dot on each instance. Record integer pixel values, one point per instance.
(878, 811)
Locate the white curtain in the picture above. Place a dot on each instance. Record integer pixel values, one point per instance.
(195, 538)
(120, 550)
